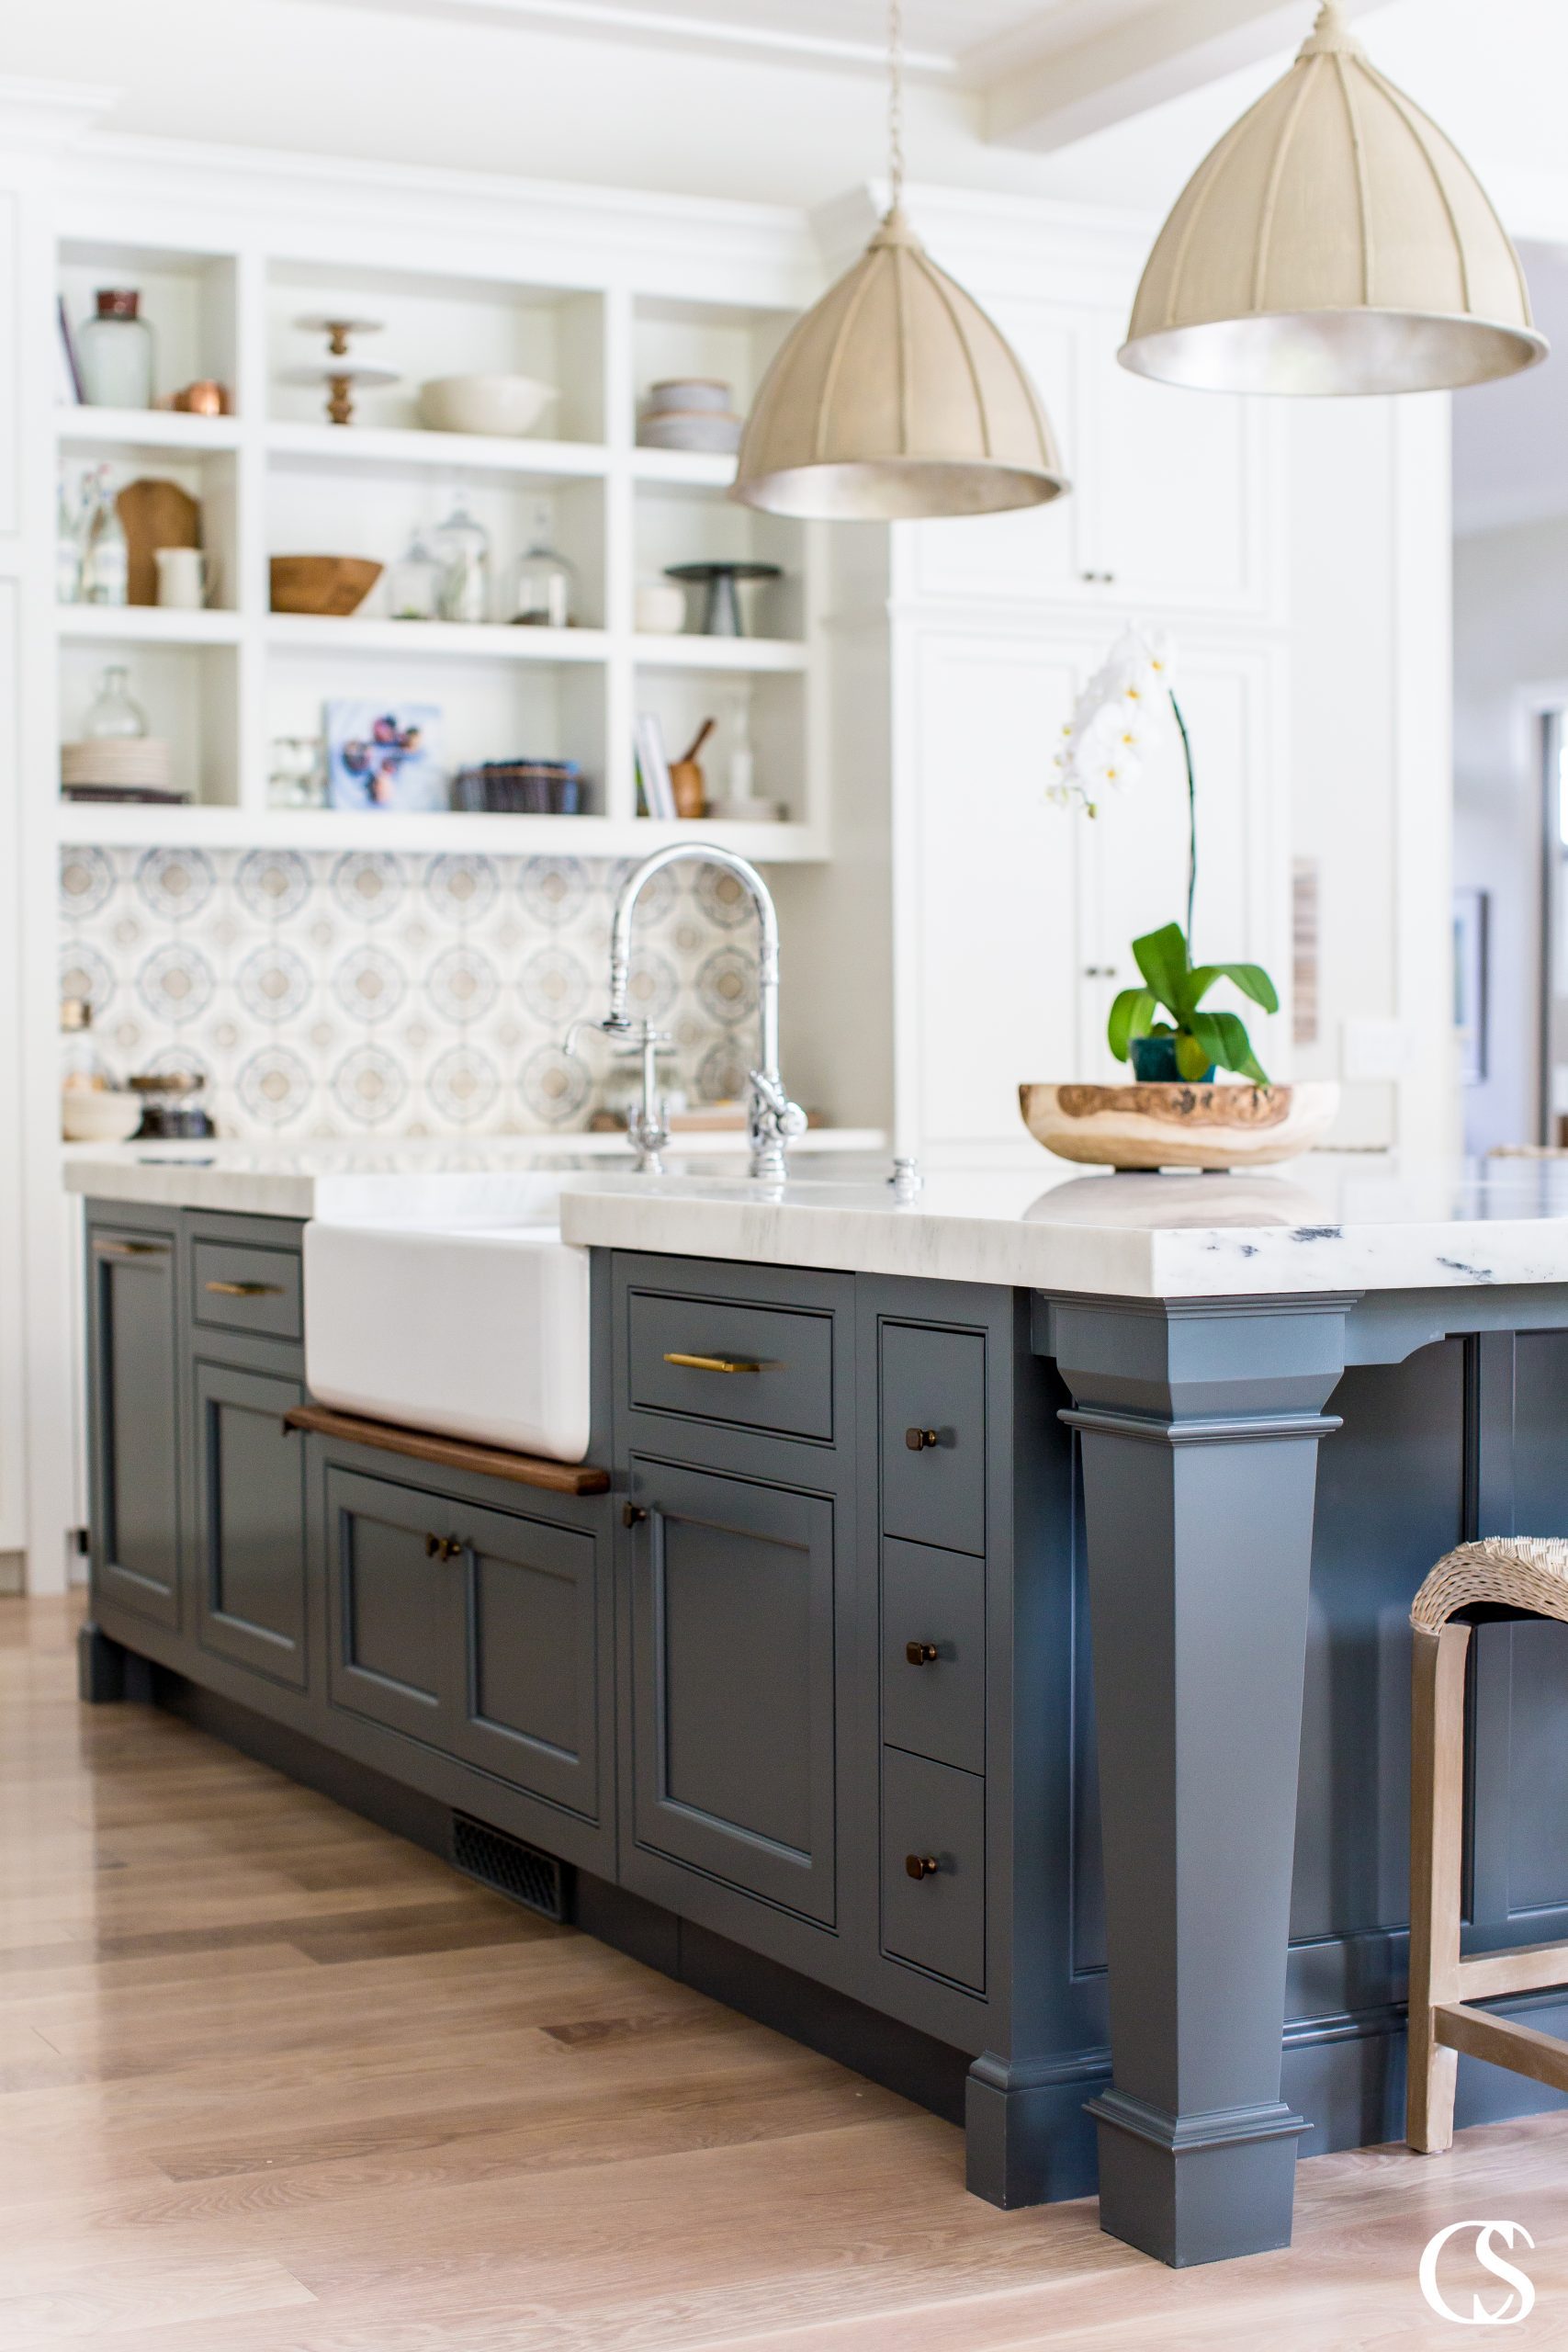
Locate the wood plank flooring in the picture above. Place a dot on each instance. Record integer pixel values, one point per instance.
(271, 2081)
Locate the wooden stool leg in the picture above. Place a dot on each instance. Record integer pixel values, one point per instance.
(1437, 1855)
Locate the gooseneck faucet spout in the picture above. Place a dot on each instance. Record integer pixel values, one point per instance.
(773, 1120)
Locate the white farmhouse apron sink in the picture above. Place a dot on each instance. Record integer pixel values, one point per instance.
(477, 1330)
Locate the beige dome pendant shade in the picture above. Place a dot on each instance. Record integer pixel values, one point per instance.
(1333, 241)
(896, 397)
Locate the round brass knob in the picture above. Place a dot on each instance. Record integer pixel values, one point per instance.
(917, 1440)
(921, 1865)
(920, 1653)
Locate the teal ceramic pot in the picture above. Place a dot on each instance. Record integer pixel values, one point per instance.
(1154, 1063)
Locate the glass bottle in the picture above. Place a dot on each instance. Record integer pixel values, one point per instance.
(68, 547)
(462, 549)
(116, 352)
(544, 584)
(105, 560)
(415, 584)
(114, 716)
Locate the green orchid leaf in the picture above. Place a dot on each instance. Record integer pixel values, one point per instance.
(1234, 1046)
(1251, 978)
(1162, 959)
(1132, 1016)
(1193, 1059)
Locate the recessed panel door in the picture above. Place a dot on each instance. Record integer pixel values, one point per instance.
(529, 1655)
(135, 1417)
(732, 1682)
(250, 1520)
(391, 1558)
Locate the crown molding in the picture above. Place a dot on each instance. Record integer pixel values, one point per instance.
(47, 116)
(1009, 246)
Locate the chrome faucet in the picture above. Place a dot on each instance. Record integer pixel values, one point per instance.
(773, 1120)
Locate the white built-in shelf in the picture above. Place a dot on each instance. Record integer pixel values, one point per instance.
(147, 625)
(455, 456)
(132, 824)
(759, 655)
(445, 640)
(146, 428)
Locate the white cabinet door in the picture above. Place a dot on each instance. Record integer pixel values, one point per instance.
(988, 893)
(1134, 851)
(1178, 487)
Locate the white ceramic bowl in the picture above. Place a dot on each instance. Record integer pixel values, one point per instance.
(660, 608)
(691, 429)
(98, 1114)
(495, 404)
(689, 393)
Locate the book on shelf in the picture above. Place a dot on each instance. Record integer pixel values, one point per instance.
(653, 767)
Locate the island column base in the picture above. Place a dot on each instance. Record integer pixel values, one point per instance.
(1196, 2188)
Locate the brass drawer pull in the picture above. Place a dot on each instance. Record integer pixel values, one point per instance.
(917, 1440)
(713, 1364)
(130, 1249)
(245, 1290)
(920, 1653)
(920, 1866)
(443, 1548)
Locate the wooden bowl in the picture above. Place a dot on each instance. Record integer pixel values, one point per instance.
(335, 584)
(1156, 1126)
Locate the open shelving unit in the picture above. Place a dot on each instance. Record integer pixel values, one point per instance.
(276, 478)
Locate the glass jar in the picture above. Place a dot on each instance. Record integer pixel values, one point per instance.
(116, 352)
(462, 550)
(415, 584)
(544, 584)
(114, 716)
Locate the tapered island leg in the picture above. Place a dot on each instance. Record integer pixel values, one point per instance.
(1200, 1425)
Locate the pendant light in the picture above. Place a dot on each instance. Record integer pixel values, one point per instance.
(1335, 241)
(895, 396)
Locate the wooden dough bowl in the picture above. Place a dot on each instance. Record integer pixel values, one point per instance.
(1178, 1126)
(332, 585)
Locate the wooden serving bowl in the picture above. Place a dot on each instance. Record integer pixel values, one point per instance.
(1161, 1125)
(332, 585)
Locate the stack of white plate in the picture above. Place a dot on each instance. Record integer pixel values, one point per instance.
(126, 767)
(691, 412)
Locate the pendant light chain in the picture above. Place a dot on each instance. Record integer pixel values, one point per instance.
(896, 101)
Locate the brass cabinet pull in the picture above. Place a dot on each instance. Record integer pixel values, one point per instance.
(443, 1548)
(245, 1290)
(713, 1364)
(920, 1653)
(130, 1249)
(917, 1440)
(921, 1865)
(632, 1514)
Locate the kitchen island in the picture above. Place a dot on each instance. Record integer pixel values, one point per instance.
(986, 1653)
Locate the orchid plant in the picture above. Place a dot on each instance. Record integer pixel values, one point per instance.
(1101, 752)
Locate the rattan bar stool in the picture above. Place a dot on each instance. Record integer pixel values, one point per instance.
(1502, 1577)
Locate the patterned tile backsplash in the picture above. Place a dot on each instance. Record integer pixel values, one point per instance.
(327, 995)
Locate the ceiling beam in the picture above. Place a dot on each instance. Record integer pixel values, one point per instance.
(1078, 86)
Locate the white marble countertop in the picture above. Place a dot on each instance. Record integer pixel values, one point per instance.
(1325, 1223)
(1330, 1221)
(332, 1179)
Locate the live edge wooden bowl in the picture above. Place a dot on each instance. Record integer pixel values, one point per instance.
(1178, 1126)
(332, 585)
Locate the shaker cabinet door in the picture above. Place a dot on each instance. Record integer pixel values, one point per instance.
(135, 1414)
(249, 1521)
(391, 1609)
(732, 1682)
(529, 1708)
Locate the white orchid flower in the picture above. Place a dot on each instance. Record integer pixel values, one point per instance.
(1113, 719)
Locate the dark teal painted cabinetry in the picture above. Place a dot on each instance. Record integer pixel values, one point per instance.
(248, 1476)
(134, 1415)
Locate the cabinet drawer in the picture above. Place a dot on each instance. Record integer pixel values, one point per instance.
(935, 1600)
(932, 1814)
(243, 1286)
(682, 1348)
(934, 1435)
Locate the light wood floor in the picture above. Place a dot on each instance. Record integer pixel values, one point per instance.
(271, 2078)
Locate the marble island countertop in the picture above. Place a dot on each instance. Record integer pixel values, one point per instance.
(1326, 1223)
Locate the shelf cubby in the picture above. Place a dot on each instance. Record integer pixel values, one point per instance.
(188, 298)
(189, 686)
(774, 708)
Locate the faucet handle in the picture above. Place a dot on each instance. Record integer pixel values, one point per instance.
(786, 1118)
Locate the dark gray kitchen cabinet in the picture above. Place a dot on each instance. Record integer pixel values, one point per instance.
(249, 1520)
(732, 1682)
(134, 1418)
(472, 1629)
